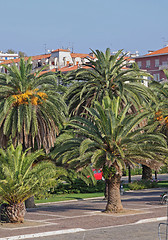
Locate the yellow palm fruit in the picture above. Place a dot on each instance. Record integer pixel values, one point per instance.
(34, 100)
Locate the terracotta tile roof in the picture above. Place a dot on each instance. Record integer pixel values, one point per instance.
(61, 50)
(67, 69)
(37, 57)
(160, 51)
(52, 70)
(81, 55)
(71, 68)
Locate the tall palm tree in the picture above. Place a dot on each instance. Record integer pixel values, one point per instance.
(110, 140)
(31, 109)
(109, 73)
(158, 120)
(19, 180)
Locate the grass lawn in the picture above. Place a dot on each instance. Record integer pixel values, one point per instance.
(71, 196)
(163, 184)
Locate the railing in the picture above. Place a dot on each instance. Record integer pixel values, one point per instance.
(163, 66)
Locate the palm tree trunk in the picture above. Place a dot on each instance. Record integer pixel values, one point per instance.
(106, 190)
(155, 175)
(114, 199)
(29, 203)
(12, 213)
(129, 174)
(146, 173)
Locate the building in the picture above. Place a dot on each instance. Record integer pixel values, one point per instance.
(8, 56)
(56, 60)
(154, 62)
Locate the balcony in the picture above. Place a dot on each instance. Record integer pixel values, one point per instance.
(163, 66)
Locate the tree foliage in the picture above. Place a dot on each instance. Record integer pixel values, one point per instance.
(31, 109)
(108, 74)
(110, 139)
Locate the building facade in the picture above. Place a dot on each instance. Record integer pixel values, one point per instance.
(56, 60)
(154, 63)
(8, 56)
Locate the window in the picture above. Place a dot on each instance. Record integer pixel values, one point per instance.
(147, 63)
(165, 63)
(156, 62)
(156, 77)
(139, 64)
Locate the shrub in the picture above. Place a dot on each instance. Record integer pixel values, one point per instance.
(19, 180)
(142, 184)
(78, 186)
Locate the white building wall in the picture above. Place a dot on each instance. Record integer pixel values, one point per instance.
(8, 56)
(61, 58)
(64, 57)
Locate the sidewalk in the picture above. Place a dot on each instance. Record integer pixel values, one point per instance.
(82, 215)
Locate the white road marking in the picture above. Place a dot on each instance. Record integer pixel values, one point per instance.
(75, 230)
(151, 220)
(44, 234)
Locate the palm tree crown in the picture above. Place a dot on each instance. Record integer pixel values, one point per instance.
(19, 180)
(31, 109)
(109, 73)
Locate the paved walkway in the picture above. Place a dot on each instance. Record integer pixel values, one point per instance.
(81, 215)
(162, 177)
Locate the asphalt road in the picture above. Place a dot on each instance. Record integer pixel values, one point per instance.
(146, 231)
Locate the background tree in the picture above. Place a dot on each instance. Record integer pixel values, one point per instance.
(158, 119)
(22, 54)
(11, 51)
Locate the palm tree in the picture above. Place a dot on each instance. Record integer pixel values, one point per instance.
(19, 180)
(158, 120)
(31, 109)
(111, 140)
(109, 73)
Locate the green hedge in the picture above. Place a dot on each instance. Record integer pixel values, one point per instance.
(141, 184)
(78, 186)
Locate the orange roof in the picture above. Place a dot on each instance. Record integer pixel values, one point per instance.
(38, 57)
(67, 69)
(160, 51)
(71, 68)
(45, 71)
(81, 55)
(61, 50)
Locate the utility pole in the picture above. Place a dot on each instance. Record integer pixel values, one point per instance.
(45, 47)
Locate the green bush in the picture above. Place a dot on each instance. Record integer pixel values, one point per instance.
(163, 169)
(142, 184)
(78, 186)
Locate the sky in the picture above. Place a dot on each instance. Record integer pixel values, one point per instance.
(35, 26)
